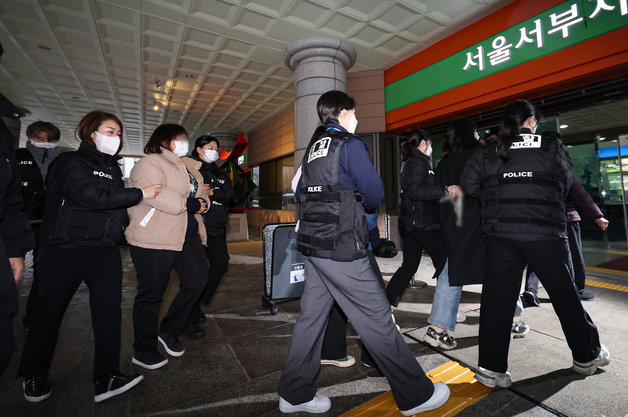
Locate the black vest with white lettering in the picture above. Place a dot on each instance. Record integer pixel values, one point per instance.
(33, 189)
(331, 218)
(525, 195)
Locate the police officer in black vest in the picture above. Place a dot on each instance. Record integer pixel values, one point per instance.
(522, 188)
(84, 219)
(34, 160)
(15, 235)
(338, 182)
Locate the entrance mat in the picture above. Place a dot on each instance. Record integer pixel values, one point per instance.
(465, 390)
(620, 264)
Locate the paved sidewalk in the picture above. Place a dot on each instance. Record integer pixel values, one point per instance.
(234, 370)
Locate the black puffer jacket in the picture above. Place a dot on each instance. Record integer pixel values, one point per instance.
(216, 218)
(86, 200)
(419, 194)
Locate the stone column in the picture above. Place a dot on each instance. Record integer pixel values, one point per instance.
(320, 65)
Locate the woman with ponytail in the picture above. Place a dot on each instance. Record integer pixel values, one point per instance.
(522, 188)
(418, 219)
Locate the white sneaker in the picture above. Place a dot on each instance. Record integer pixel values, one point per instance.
(492, 379)
(461, 317)
(589, 368)
(438, 398)
(345, 362)
(318, 404)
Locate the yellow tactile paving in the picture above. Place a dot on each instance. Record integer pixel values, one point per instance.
(465, 390)
(608, 271)
(616, 287)
(617, 252)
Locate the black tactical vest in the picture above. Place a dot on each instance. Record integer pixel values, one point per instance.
(33, 188)
(525, 195)
(331, 218)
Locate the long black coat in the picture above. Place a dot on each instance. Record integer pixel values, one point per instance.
(462, 245)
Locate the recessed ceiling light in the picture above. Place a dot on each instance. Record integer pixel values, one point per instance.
(601, 138)
(156, 107)
(564, 126)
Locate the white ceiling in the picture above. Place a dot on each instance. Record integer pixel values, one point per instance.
(219, 62)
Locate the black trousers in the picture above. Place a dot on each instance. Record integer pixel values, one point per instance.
(62, 271)
(413, 244)
(218, 257)
(8, 308)
(577, 260)
(550, 260)
(335, 340)
(34, 291)
(153, 268)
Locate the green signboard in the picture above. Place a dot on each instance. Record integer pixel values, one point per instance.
(560, 27)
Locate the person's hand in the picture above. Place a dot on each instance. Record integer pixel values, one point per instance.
(207, 190)
(152, 191)
(204, 206)
(453, 190)
(17, 266)
(602, 223)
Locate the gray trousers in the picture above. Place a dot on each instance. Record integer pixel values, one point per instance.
(356, 289)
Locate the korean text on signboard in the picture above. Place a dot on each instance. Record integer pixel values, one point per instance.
(560, 27)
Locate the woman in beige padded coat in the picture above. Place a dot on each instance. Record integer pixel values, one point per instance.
(166, 233)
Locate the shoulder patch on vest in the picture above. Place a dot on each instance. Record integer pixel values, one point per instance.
(319, 149)
(527, 141)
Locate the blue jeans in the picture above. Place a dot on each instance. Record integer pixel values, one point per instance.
(446, 302)
(519, 307)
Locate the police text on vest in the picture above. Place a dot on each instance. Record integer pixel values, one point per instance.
(519, 174)
(103, 174)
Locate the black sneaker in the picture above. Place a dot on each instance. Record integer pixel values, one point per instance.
(149, 360)
(193, 331)
(113, 384)
(519, 329)
(36, 389)
(173, 346)
(443, 339)
(531, 299)
(586, 296)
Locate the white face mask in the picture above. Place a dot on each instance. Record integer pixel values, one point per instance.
(181, 148)
(45, 145)
(210, 155)
(107, 144)
(428, 151)
(353, 123)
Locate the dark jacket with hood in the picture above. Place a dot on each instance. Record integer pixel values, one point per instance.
(419, 194)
